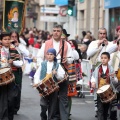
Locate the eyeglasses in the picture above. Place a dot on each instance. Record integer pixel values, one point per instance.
(102, 33)
(56, 31)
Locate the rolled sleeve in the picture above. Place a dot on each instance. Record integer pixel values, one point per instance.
(70, 57)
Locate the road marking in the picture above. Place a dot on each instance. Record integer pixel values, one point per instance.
(80, 103)
(89, 101)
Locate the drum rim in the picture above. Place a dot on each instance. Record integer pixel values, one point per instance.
(101, 91)
(5, 71)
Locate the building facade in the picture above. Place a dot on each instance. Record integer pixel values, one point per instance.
(113, 16)
(90, 16)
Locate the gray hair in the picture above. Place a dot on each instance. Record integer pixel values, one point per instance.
(84, 45)
(102, 28)
(58, 26)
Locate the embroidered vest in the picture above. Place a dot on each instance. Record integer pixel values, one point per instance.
(49, 44)
(44, 70)
(103, 78)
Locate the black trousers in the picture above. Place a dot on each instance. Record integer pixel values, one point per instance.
(18, 88)
(17, 98)
(7, 102)
(102, 109)
(63, 101)
(50, 104)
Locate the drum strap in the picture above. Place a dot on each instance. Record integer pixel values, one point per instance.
(55, 66)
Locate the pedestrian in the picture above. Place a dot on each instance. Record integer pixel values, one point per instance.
(47, 67)
(83, 51)
(33, 68)
(56, 43)
(103, 74)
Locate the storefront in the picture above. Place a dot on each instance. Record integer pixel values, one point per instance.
(114, 16)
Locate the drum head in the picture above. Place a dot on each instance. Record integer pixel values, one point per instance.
(3, 70)
(103, 89)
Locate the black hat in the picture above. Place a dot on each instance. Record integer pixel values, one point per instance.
(65, 32)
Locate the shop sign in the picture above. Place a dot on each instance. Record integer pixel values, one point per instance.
(112, 3)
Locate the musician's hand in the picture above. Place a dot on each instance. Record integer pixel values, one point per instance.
(100, 42)
(105, 41)
(64, 60)
(112, 75)
(16, 43)
(54, 72)
(93, 85)
(10, 61)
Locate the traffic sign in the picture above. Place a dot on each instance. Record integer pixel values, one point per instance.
(54, 10)
(63, 11)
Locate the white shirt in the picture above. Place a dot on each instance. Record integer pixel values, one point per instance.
(75, 54)
(56, 44)
(93, 48)
(22, 50)
(104, 68)
(60, 72)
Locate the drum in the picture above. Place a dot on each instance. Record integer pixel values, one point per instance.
(6, 76)
(106, 93)
(47, 86)
(72, 89)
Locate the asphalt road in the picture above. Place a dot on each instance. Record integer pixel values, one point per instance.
(82, 108)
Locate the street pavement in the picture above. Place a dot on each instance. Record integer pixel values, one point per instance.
(82, 108)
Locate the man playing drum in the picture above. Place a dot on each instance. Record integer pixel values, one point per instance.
(56, 43)
(47, 67)
(103, 75)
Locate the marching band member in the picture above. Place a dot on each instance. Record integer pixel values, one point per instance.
(97, 47)
(7, 92)
(103, 74)
(22, 51)
(77, 58)
(115, 58)
(47, 67)
(56, 43)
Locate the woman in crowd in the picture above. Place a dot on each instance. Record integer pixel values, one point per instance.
(18, 72)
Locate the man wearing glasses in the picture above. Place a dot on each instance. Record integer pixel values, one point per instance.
(56, 43)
